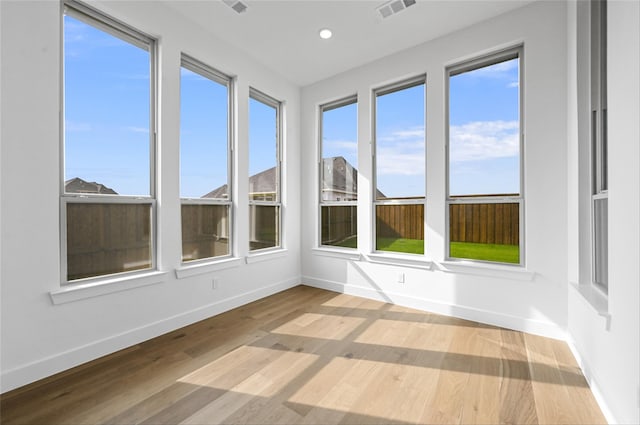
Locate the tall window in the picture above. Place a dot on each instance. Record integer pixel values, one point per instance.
(339, 173)
(108, 190)
(205, 170)
(399, 184)
(264, 171)
(485, 159)
(598, 130)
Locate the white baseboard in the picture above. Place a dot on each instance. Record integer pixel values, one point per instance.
(469, 313)
(592, 380)
(48, 366)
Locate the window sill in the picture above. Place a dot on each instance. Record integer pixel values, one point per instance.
(491, 270)
(80, 291)
(400, 260)
(266, 255)
(347, 254)
(594, 299)
(189, 270)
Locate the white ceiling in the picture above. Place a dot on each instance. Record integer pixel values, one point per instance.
(283, 35)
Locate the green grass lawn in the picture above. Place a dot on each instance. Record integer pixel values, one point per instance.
(486, 252)
(462, 250)
(411, 246)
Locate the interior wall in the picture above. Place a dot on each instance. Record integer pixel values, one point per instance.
(534, 302)
(606, 338)
(39, 338)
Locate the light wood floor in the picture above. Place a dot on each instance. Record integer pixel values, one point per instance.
(308, 356)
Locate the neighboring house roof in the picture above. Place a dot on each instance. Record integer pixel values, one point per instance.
(340, 176)
(337, 167)
(263, 182)
(77, 185)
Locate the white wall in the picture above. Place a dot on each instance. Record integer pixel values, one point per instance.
(39, 338)
(537, 305)
(607, 342)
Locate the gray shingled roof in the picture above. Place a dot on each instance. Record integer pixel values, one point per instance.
(263, 182)
(337, 167)
(77, 185)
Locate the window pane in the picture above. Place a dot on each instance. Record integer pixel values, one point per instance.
(263, 145)
(400, 228)
(340, 153)
(107, 112)
(340, 226)
(205, 231)
(485, 231)
(264, 231)
(484, 127)
(204, 138)
(601, 239)
(400, 144)
(107, 238)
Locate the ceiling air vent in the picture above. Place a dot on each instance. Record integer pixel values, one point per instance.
(236, 5)
(394, 6)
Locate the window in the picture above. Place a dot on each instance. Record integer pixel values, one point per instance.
(339, 173)
(485, 201)
(108, 190)
(205, 161)
(399, 163)
(264, 171)
(598, 132)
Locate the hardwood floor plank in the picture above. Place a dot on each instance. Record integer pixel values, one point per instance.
(308, 356)
(517, 402)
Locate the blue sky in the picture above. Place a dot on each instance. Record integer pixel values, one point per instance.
(203, 134)
(483, 133)
(108, 141)
(484, 143)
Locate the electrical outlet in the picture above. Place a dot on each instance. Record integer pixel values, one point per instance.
(401, 277)
(214, 284)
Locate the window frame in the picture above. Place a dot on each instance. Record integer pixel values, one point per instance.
(467, 66)
(194, 65)
(261, 97)
(405, 83)
(598, 141)
(101, 21)
(345, 101)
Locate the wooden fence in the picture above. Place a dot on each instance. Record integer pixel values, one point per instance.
(400, 221)
(264, 229)
(338, 223)
(205, 231)
(485, 223)
(493, 223)
(107, 238)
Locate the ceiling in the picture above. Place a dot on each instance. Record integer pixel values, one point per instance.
(283, 35)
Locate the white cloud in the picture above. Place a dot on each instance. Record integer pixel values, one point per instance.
(401, 152)
(134, 129)
(340, 145)
(498, 70)
(484, 140)
(513, 84)
(76, 127)
(415, 134)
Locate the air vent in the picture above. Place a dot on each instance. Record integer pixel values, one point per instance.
(394, 6)
(236, 5)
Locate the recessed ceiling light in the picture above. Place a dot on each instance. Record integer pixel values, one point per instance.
(325, 33)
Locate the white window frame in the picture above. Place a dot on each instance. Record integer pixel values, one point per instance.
(598, 140)
(212, 74)
(99, 20)
(470, 65)
(270, 101)
(349, 100)
(381, 91)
